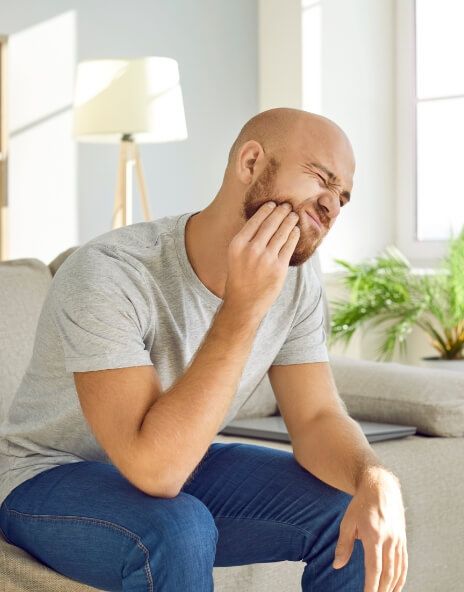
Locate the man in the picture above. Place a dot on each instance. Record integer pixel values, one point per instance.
(151, 338)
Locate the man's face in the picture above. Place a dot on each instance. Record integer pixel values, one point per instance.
(309, 190)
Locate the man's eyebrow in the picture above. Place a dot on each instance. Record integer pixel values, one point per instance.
(332, 177)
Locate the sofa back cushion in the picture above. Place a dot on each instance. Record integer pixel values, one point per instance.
(59, 259)
(23, 286)
(432, 400)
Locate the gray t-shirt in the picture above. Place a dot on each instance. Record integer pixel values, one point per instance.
(130, 297)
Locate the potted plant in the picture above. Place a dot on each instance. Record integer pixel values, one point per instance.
(386, 290)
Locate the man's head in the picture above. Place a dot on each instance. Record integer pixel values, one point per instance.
(289, 155)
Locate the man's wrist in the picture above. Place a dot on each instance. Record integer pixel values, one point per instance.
(239, 315)
(374, 476)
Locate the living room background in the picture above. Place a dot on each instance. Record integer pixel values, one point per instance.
(67, 196)
(255, 55)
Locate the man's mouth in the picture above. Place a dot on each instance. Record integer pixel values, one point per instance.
(313, 220)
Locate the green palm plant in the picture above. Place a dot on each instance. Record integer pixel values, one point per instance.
(387, 291)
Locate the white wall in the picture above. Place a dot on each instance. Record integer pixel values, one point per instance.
(358, 93)
(357, 87)
(60, 193)
(280, 58)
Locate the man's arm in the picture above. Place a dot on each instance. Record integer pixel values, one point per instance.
(325, 439)
(155, 437)
(185, 420)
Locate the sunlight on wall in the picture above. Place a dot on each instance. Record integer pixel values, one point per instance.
(311, 45)
(358, 94)
(42, 183)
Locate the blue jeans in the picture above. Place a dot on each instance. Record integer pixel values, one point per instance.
(242, 504)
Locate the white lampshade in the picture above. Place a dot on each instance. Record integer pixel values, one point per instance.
(141, 97)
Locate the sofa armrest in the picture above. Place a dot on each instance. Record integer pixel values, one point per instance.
(431, 400)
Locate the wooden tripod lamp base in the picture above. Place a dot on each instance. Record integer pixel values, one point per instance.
(123, 201)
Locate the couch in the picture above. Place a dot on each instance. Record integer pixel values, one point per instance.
(429, 464)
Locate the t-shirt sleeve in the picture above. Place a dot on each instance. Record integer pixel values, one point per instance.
(102, 310)
(306, 341)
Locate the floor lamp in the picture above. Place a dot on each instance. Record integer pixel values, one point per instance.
(130, 102)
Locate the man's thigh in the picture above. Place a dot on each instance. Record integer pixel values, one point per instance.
(88, 522)
(266, 506)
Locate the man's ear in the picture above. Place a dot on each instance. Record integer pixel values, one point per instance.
(250, 161)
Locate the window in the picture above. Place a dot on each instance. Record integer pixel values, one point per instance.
(430, 126)
(439, 118)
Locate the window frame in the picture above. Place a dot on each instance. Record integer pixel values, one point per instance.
(420, 252)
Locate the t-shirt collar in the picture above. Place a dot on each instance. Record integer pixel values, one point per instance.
(191, 276)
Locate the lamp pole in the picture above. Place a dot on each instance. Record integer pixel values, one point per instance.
(128, 158)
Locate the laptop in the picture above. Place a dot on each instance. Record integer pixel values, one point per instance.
(274, 428)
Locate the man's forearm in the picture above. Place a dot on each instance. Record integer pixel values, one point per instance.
(184, 419)
(334, 449)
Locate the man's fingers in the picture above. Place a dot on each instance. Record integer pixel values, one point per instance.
(286, 251)
(373, 566)
(399, 571)
(390, 560)
(344, 547)
(250, 227)
(398, 565)
(404, 569)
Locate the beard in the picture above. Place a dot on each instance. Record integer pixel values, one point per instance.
(263, 190)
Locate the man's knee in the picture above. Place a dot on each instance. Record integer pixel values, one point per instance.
(185, 526)
(177, 543)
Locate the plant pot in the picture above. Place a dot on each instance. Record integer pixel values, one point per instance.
(442, 364)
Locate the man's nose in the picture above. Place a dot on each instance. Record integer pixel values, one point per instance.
(330, 204)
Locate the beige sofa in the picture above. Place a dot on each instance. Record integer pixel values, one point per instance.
(430, 464)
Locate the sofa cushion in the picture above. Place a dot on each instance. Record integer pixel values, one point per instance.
(21, 572)
(23, 286)
(432, 400)
(261, 402)
(59, 259)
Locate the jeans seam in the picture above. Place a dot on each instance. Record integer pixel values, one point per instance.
(105, 523)
(301, 529)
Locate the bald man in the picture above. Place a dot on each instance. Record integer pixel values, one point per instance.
(152, 337)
